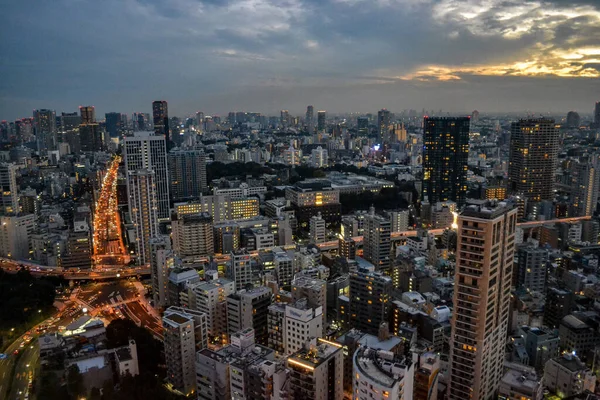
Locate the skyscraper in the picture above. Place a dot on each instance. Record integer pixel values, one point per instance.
(160, 262)
(446, 142)
(193, 235)
(321, 121)
(370, 293)
(146, 151)
(91, 138)
(9, 199)
(362, 125)
(383, 124)
(284, 118)
(310, 119)
(140, 121)
(239, 269)
(160, 117)
(532, 160)
(573, 119)
(143, 209)
(114, 124)
(88, 114)
(45, 129)
(377, 240)
(597, 115)
(484, 263)
(187, 170)
(585, 175)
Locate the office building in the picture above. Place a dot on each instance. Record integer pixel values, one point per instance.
(88, 115)
(370, 294)
(78, 251)
(15, 234)
(309, 198)
(250, 309)
(239, 269)
(187, 174)
(576, 336)
(44, 122)
(91, 138)
(193, 235)
(276, 327)
(147, 151)
(319, 157)
(362, 126)
(321, 121)
(314, 291)
(484, 263)
(211, 299)
(283, 266)
(384, 122)
(160, 118)
(585, 184)
(184, 333)
(426, 377)
(9, 198)
(520, 384)
(143, 210)
(222, 208)
(301, 324)
(382, 375)
(377, 240)
(399, 220)
(541, 345)
(573, 120)
(141, 122)
(567, 376)
(180, 278)
(557, 306)
(162, 260)
(69, 121)
(317, 371)
(531, 265)
(310, 119)
(532, 161)
(596, 123)
(446, 143)
(115, 124)
(318, 233)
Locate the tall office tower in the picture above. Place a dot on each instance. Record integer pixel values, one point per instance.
(284, 268)
(399, 220)
(377, 240)
(69, 121)
(182, 330)
(250, 309)
(445, 159)
(45, 129)
(90, 137)
(484, 263)
(239, 269)
(573, 119)
(193, 236)
(384, 122)
(284, 118)
(88, 114)
(319, 157)
(114, 124)
(314, 290)
(531, 265)
(310, 119)
(141, 122)
(187, 170)
(585, 175)
(370, 293)
(160, 117)
(317, 372)
(532, 160)
(211, 299)
(144, 150)
(362, 125)
(318, 233)
(321, 121)
(143, 209)
(371, 365)
(301, 324)
(15, 234)
(161, 261)
(9, 199)
(597, 115)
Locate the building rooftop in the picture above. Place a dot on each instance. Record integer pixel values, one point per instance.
(524, 383)
(570, 362)
(383, 367)
(486, 209)
(573, 322)
(178, 319)
(315, 355)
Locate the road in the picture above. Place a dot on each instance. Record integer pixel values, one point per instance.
(27, 369)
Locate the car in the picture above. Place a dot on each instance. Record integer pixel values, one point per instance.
(3, 356)
(16, 352)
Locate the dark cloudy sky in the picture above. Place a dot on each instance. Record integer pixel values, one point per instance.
(265, 55)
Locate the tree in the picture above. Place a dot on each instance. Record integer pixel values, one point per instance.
(75, 381)
(95, 394)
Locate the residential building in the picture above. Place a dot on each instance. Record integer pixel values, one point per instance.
(141, 187)
(381, 375)
(567, 376)
(187, 174)
(301, 324)
(377, 240)
(370, 294)
(9, 198)
(250, 309)
(193, 235)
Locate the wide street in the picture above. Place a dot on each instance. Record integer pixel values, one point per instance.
(27, 369)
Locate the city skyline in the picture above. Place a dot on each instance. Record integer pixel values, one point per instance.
(339, 55)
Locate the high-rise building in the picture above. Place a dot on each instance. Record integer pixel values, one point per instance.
(321, 121)
(384, 122)
(45, 129)
(15, 234)
(184, 333)
(91, 138)
(585, 185)
(239, 269)
(160, 117)
(284, 118)
(484, 263)
(88, 115)
(301, 324)
(317, 229)
(362, 125)
(69, 121)
(141, 122)
(377, 240)
(143, 209)
(370, 294)
(446, 142)
(310, 119)
(573, 119)
(193, 236)
(597, 115)
(221, 208)
(569, 376)
(114, 124)
(187, 171)
(9, 199)
(211, 298)
(532, 160)
(531, 265)
(314, 290)
(250, 309)
(317, 371)
(147, 151)
(319, 157)
(161, 261)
